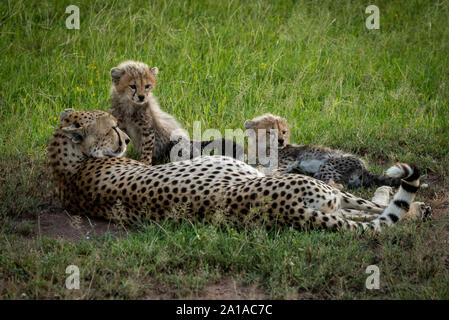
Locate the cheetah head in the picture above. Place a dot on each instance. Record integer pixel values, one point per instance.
(133, 81)
(92, 134)
(271, 124)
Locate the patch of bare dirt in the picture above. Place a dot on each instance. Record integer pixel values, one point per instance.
(226, 289)
(57, 223)
(229, 289)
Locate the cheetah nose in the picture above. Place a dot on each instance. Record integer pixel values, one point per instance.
(141, 98)
(127, 140)
(281, 141)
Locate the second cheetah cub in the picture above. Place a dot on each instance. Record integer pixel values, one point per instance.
(138, 113)
(328, 165)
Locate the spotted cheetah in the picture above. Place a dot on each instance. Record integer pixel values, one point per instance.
(320, 162)
(138, 112)
(268, 128)
(154, 132)
(92, 178)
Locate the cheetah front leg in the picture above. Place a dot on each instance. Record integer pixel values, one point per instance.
(147, 144)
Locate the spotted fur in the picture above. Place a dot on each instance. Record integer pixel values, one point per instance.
(138, 112)
(154, 132)
(317, 161)
(92, 179)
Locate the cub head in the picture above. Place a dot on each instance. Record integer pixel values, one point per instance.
(91, 134)
(269, 122)
(134, 81)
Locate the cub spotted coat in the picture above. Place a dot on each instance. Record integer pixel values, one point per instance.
(328, 165)
(154, 132)
(138, 112)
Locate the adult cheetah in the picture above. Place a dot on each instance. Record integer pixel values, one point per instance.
(91, 177)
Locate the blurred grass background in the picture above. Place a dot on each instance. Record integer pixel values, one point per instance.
(382, 93)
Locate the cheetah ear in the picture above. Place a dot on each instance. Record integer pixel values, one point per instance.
(249, 124)
(65, 113)
(154, 71)
(116, 74)
(284, 121)
(74, 133)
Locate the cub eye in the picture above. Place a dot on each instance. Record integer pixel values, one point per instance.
(284, 132)
(148, 86)
(133, 86)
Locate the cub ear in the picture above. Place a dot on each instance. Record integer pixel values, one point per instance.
(74, 132)
(249, 124)
(65, 113)
(154, 71)
(286, 123)
(116, 74)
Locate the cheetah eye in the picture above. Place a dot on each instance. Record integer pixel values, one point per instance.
(133, 86)
(284, 132)
(148, 86)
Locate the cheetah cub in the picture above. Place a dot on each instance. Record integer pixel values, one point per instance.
(328, 165)
(269, 122)
(151, 130)
(154, 132)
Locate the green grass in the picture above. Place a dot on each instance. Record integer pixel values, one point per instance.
(182, 259)
(382, 94)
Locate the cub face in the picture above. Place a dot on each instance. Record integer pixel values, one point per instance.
(270, 122)
(93, 133)
(134, 81)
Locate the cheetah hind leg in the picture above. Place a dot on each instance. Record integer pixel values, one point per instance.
(357, 215)
(419, 211)
(307, 217)
(402, 201)
(394, 212)
(382, 197)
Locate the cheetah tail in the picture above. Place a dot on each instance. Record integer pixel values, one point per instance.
(393, 213)
(398, 171)
(400, 204)
(392, 178)
(370, 179)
